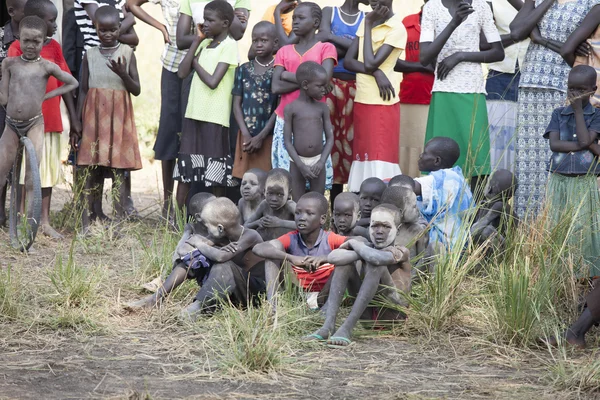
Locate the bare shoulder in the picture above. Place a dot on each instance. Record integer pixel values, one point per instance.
(291, 206)
(252, 236)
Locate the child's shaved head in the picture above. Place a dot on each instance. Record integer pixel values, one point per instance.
(199, 201)
(106, 13)
(403, 181)
(308, 70)
(348, 197)
(373, 185)
(265, 26)
(39, 8)
(319, 199)
(279, 176)
(584, 74)
(34, 23)
(439, 153)
(221, 210)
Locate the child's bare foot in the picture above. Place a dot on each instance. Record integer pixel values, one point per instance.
(320, 336)
(191, 313)
(575, 339)
(47, 230)
(153, 285)
(143, 304)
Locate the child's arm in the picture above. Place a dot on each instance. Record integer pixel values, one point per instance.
(135, 6)
(351, 63)
(70, 83)
(129, 37)
(238, 113)
(280, 85)
(584, 137)
(219, 255)
(212, 81)
(254, 221)
(579, 36)
(85, 76)
(274, 250)
(305, 170)
(408, 67)
(341, 43)
(256, 142)
(185, 67)
(185, 36)
(239, 23)
(527, 19)
(284, 7)
(372, 60)
(342, 257)
(131, 79)
(328, 128)
(376, 257)
(4, 82)
(74, 121)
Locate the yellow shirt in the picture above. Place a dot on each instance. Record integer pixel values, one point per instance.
(286, 19)
(393, 33)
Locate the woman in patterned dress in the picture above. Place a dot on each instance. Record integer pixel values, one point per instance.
(542, 88)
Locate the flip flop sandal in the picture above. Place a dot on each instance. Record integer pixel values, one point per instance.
(342, 339)
(313, 337)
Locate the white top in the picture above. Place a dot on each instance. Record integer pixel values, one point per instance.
(504, 13)
(466, 77)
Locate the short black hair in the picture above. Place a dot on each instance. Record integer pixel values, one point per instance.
(402, 180)
(323, 204)
(308, 70)
(260, 175)
(35, 23)
(280, 175)
(222, 8)
(37, 8)
(348, 196)
(315, 9)
(266, 25)
(446, 148)
(392, 209)
(397, 195)
(107, 12)
(198, 201)
(586, 72)
(374, 181)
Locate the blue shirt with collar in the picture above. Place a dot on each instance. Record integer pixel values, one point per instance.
(575, 162)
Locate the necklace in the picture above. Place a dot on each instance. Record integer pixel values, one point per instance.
(108, 56)
(31, 61)
(265, 65)
(347, 14)
(110, 47)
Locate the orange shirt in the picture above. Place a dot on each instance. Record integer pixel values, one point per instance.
(286, 19)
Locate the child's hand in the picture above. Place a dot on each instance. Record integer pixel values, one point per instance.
(255, 144)
(165, 33)
(317, 168)
(118, 66)
(231, 247)
(285, 6)
(246, 139)
(241, 16)
(306, 171)
(200, 32)
(184, 249)
(386, 90)
(448, 65)
(270, 221)
(379, 13)
(462, 12)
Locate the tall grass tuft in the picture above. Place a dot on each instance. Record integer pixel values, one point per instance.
(12, 294)
(576, 375)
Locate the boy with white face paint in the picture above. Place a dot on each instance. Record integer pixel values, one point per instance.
(382, 259)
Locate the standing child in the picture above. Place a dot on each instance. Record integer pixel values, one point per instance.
(109, 75)
(204, 153)
(572, 188)
(305, 121)
(450, 31)
(8, 34)
(254, 104)
(380, 41)
(50, 158)
(307, 18)
(339, 26)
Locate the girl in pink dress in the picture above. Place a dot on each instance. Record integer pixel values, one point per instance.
(306, 21)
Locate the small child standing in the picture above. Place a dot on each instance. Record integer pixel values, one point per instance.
(444, 194)
(309, 118)
(50, 158)
(572, 188)
(254, 104)
(204, 152)
(109, 75)
(307, 17)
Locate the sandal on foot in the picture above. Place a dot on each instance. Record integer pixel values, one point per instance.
(313, 337)
(340, 339)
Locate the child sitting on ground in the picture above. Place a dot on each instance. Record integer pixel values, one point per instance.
(402, 181)
(386, 262)
(306, 249)
(370, 194)
(109, 75)
(572, 188)
(346, 213)
(444, 195)
(22, 92)
(275, 214)
(254, 104)
(50, 158)
(305, 121)
(252, 190)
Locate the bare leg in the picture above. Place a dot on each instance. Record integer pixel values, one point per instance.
(46, 227)
(365, 295)
(298, 182)
(341, 278)
(9, 143)
(168, 184)
(318, 185)
(97, 188)
(3, 206)
(175, 278)
(272, 280)
(183, 190)
(219, 285)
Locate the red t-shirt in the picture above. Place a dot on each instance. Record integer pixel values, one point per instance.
(51, 107)
(416, 86)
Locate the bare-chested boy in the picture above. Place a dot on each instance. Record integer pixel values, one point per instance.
(383, 259)
(306, 249)
(22, 92)
(252, 190)
(346, 214)
(306, 120)
(370, 194)
(402, 181)
(275, 214)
